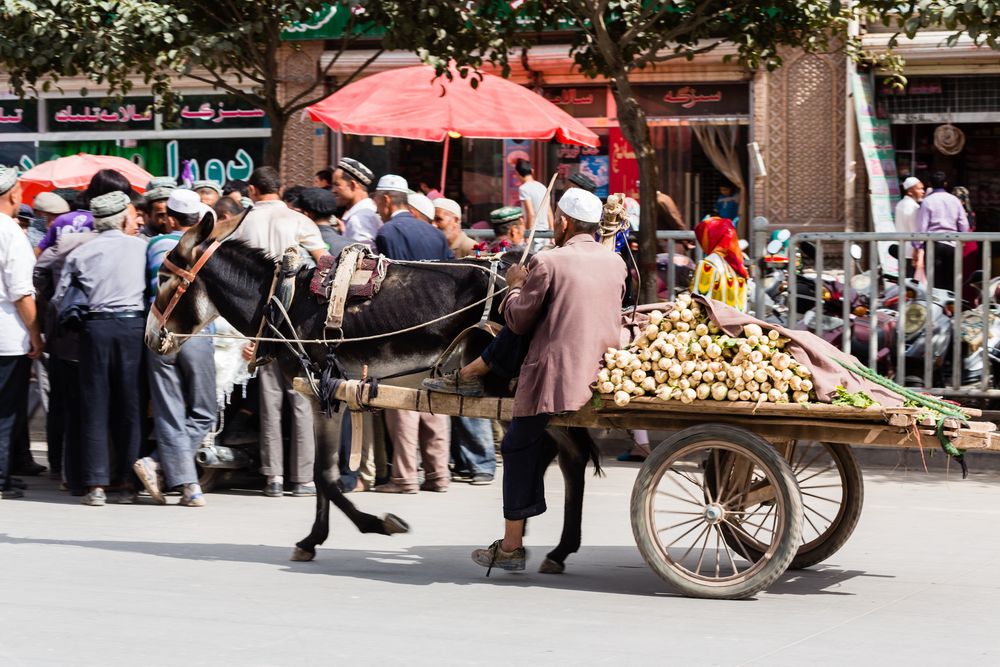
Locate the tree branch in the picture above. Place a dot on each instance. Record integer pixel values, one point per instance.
(673, 55)
(219, 82)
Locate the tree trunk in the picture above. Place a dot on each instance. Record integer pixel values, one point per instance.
(632, 121)
(276, 144)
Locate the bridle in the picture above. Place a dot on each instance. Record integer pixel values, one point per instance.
(187, 277)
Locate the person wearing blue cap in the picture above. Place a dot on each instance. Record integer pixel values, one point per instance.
(112, 298)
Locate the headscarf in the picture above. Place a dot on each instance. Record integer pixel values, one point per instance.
(717, 235)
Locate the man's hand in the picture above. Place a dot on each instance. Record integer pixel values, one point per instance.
(248, 351)
(37, 346)
(516, 276)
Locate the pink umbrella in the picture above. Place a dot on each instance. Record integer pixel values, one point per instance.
(75, 172)
(412, 103)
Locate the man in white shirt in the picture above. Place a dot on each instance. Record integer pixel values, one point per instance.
(272, 226)
(20, 335)
(531, 194)
(351, 181)
(906, 217)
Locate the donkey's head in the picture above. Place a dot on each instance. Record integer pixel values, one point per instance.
(182, 304)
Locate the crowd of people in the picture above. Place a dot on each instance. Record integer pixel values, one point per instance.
(80, 270)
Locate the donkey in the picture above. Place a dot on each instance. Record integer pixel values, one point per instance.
(204, 278)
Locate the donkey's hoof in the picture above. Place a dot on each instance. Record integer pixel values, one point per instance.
(301, 554)
(393, 524)
(550, 566)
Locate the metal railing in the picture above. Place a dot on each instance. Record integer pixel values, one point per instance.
(833, 250)
(932, 302)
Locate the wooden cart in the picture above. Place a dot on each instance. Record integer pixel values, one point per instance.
(738, 493)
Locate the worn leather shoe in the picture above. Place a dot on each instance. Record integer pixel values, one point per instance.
(481, 479)
(147, 471)
(393, 487)
(274, 490)
(28, 469)
(11, 494)
(304, 490)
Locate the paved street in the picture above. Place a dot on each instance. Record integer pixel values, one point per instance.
(149, 585)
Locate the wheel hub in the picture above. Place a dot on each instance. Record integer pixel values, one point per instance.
(714, 513)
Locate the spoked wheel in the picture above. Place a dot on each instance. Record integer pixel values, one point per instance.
(689, 504)
(829, 478)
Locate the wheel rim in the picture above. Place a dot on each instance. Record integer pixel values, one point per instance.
(822, 480)
(694, 519)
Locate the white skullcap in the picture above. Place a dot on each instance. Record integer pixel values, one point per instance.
(449, 205)
(393, 183)
(421, 203)
(910, 182)
(8, 179)
(581, 205)
(184, 202)
(204, 209)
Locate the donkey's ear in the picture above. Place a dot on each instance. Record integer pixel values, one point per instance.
(203, 230)
(226, 226)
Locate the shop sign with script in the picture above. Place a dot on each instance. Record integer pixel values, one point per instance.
(95, 115)
(703, 99)
(18, 116)
(207, 112)
(579, 101)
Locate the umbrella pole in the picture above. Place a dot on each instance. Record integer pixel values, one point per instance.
(444, 161)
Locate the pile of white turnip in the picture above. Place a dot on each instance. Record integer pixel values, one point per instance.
(682, 356)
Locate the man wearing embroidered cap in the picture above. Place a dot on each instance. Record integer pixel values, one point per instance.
(351, 181)
(906, 215)
(581, 180)
(182, 384)
(208, 191)
(508, 227)
(448, 218)
(157, 191)
(20, 336)
(110, 346)
(569, 302)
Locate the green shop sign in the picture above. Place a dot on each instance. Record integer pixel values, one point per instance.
(328, 22)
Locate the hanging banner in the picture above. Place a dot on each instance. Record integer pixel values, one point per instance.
(513, 150)
(875, 137)
(624, 176)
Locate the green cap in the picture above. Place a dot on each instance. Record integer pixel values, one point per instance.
(502, 216)
(111, 204)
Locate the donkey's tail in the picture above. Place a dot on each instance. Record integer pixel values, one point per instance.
(589, 447)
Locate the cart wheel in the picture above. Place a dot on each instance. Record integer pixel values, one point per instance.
(685, 524)
(832, 488)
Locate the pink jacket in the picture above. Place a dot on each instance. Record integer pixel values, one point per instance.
(570, 305)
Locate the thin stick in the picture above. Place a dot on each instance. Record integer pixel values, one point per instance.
(543, 207)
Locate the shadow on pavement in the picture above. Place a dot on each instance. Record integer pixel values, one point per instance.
(601, 569)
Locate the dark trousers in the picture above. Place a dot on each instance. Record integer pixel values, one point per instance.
(110, 380)
(524, 467)
(944, 266)
(505, 353)
(15, 372)
(64, 430)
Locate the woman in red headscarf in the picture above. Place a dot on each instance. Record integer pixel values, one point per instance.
(721, 274)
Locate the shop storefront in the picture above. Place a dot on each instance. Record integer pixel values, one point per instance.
(971, 156)
(215, 136)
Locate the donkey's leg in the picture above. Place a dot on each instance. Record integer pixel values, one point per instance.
(573, 463)
(324, 473)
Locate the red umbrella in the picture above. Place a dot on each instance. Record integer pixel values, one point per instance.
(413, 103)
(75, 172)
